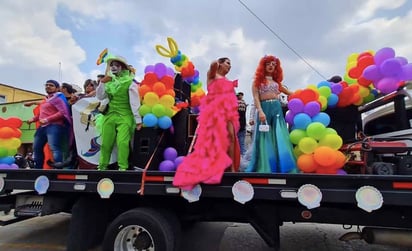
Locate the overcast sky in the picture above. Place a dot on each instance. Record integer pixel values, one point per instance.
(62, 39)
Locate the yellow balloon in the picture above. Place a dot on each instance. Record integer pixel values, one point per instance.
(353, 57)
(150, 98)
(363, 91)
(350, 65)
(167, 100)
(323, 102)
(307, 144)
(333, 141)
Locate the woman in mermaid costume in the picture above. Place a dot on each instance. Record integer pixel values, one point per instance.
(216, 147)
(272, 149)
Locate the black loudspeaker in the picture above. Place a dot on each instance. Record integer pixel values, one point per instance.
(145, 142)
(405, 165)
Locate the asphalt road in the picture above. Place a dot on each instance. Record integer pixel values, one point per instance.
(49, 234)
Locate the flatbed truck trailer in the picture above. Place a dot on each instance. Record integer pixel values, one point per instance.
(140, 209)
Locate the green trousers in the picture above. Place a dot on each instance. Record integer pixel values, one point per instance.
(116, 129)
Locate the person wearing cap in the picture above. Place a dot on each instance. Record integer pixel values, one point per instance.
(122, 116)
(242, 106)
(54, 121)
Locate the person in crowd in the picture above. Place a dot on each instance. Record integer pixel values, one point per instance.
(216, 148)
(272, 150)
(69, 92)
(242, 106)
(89, 88)
(122, 116)
(54, 122)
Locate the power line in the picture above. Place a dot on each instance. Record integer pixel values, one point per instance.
(283, 41)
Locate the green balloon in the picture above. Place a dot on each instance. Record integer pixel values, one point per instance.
(3, 152)
(144, 109)
(316, 130)
(296, 135)
(159, 110)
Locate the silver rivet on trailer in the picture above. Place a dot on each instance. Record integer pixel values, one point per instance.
(41, 184)
(369, 198)
(242, 191)
(105, 188)
(310, 196)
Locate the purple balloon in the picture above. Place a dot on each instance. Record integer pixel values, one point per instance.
(402, 60)
(407, 72)
(167, 166)
(391, 67)
(383, 54)
(312, 108)
(341, 172)
(170, 153)
(336, 88)
(289, 117)
(387, 85)
(149, 68)
(160, 70)
(295, 105)
(179, 160)
(372, 73)
(170, 72)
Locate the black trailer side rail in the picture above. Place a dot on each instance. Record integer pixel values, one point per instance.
(395, 189)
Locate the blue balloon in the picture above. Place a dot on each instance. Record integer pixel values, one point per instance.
(165, 122)
(301, 121)
(333, 100)
(322, 118)
(324, 83)
(149, 120)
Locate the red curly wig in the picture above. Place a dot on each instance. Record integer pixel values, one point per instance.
(260, 74)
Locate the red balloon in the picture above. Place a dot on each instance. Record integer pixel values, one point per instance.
(14, 122)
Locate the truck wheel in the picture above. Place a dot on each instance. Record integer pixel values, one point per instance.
(88, 223)
(140, 229)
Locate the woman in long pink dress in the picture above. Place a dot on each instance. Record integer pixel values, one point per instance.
(216, 148)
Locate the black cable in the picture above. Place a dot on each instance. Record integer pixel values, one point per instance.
(283, 41)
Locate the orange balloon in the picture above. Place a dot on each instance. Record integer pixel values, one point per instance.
(143, 89)
(159, 88)
(306, 163)
(6, 132)
(324, 156)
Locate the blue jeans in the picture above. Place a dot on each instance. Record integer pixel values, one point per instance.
(55, 136)
(241, 137)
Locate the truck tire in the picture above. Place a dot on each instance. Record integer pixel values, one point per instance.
(90, 217)
(141, 229)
